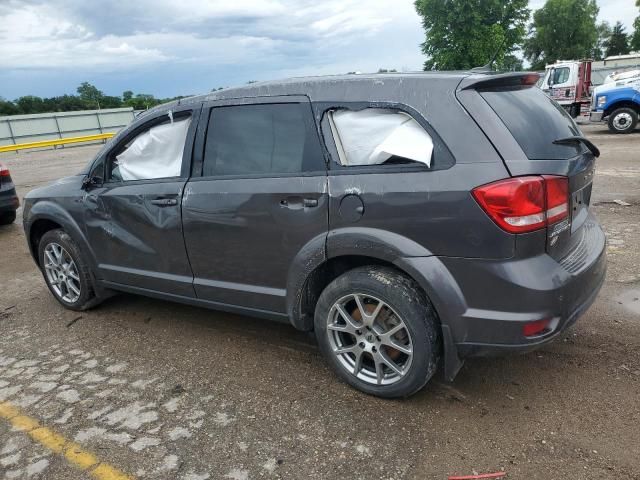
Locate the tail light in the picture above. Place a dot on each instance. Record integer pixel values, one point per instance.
(4, 171)
(525, 204)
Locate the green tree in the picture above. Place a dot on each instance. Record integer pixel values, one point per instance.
(90, 94)
(143, 101)
(31, 104)
(562, 29)
(127, 95)
(618, 42)
(8, 108)
(462, 34)
(604, 32)
(108, 101)
(635, 39)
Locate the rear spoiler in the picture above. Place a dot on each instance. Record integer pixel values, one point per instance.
(499, 80)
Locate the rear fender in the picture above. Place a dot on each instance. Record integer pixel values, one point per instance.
(406, 255)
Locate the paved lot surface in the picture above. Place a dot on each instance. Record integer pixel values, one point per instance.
(163, 391)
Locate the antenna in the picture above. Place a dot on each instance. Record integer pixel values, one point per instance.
(487, 68)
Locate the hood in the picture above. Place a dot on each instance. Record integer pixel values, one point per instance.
(632, 83)
(62, 186)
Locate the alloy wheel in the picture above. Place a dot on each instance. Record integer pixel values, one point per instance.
(62, 273)
(369, 339)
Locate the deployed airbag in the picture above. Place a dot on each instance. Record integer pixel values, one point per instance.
(156, 153)
(374, 135)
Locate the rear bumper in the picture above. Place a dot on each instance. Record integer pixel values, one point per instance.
(595, 116)
(483, 305)
(9, 200)
(502, 296)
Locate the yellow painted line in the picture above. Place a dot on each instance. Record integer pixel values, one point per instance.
(55, 442)
(57, 141)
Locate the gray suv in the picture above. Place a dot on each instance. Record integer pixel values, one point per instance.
(408, 220)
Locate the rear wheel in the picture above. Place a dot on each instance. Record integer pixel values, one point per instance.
(65, 271)
(378, 331)
(623, 120)
(7, 218)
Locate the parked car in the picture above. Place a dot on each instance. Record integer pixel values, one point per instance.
(9, 201)
(408, 220)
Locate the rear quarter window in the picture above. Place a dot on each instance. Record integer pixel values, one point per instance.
(535, 121)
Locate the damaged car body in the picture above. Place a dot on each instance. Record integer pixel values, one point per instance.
(408, 220)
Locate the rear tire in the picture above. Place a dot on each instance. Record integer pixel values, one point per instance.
(7, 218)
(384, 309)
(65, 271)
(623, 120)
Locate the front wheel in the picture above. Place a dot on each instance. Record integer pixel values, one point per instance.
(378, 331)
(623, 120)
(65, 271)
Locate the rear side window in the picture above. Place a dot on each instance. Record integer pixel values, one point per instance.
(261, 140)
(535, 121)
(374, 136)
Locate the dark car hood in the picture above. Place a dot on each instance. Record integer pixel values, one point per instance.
(63, 186)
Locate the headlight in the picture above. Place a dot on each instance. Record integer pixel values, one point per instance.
(602, 100)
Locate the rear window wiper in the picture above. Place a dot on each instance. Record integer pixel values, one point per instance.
(569, 140)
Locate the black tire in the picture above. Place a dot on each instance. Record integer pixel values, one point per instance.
(87, 298)
(574, 111)
(623, 120)
(7, 218)
(405, 298)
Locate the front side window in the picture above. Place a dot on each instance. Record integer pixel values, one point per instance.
(262, 139)
(560, 75)
(155, 153)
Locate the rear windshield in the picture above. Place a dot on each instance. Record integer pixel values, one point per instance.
(535, 121)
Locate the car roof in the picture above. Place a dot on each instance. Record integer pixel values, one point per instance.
(322, 88)
(373, 87)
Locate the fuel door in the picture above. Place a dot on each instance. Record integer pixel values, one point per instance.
(351, 208)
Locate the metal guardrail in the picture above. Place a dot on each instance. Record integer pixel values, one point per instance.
(19, 129)
(56, 142)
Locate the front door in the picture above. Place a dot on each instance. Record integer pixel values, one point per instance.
(260, 200)
(133, 220)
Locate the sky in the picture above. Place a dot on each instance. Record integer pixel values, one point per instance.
(169, 48)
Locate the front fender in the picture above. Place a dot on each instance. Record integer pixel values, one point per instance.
(47, 210)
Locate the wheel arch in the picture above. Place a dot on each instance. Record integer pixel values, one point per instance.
(327, 257)
(47, 216)
(622, 104)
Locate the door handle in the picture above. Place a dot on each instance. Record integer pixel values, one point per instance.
(296, 203)
(164, 202)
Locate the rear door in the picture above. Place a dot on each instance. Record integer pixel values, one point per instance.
(257, 198)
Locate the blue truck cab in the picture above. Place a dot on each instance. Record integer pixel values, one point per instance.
(617, 103)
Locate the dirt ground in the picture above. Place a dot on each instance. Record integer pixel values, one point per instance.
(163, 391)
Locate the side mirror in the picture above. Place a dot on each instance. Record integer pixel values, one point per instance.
(89, 182)
(550, 80)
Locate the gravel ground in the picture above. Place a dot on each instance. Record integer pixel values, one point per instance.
(164, 391)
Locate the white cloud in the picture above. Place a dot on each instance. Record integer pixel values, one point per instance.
(139, 44)
(59, 35)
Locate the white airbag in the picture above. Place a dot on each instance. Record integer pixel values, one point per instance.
(156, 153)
(372, 136)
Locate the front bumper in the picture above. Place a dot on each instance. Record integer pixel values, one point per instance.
(595, 116)
(501, 296)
